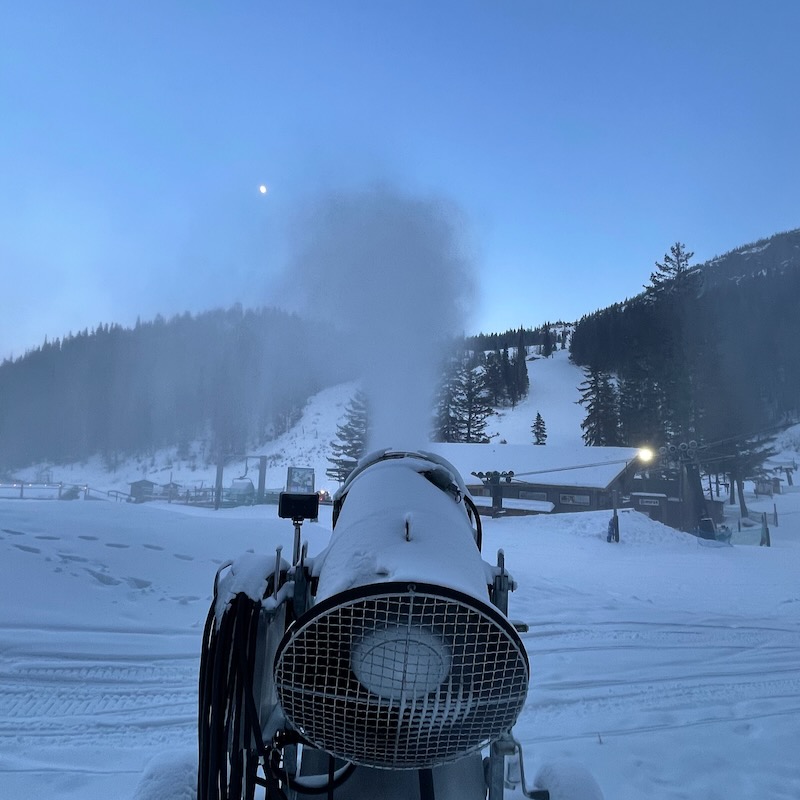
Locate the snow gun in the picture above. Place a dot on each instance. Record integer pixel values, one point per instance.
(385, 667)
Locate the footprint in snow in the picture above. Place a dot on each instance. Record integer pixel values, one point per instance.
(183, 557)
(27, 549)
(185, 599)
(88, 538)
(101, 577)
(48, 538)
(153, 546)
(138, 583)
(119, 546)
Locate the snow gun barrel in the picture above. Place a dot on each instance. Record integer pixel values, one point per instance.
(390, 651)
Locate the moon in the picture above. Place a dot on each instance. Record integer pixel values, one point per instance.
(262, 189)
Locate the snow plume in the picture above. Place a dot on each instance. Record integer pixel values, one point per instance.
(393, 272)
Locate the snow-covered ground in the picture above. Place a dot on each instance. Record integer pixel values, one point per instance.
(668, 668)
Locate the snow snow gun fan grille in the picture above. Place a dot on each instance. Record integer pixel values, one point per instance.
(401, 675)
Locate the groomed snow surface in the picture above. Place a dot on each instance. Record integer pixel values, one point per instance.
(667, 668)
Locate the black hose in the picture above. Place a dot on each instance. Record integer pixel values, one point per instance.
(204, 703)
(230, 742)
(477, 517)
(229, 731)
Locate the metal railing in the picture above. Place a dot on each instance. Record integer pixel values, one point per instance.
(30, 490)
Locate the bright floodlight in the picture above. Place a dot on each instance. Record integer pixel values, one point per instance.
(645, 455)
(262, 189)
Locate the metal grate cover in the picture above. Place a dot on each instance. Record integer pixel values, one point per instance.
(401, 675)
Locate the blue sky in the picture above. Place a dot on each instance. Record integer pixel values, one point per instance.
(579, 139)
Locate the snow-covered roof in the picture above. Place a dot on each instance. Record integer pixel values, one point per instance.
(556, 465)
(541, 506)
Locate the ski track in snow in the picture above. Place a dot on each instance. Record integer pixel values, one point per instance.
(607, 680)
(666, 672)
(83, 686)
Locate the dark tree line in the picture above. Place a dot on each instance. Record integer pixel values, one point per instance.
(549, 336)
(684, 361)
(473, 385)
(227, 378)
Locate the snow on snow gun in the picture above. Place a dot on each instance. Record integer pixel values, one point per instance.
(385, 667)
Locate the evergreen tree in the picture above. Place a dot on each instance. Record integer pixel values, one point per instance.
(539, 430)
(599, 397)
(445, 424)
(351, 435)
(673, 271)
(473, 406)
(463, 403)
(548, 342)
(521, 366)
(493, 378)
(508, 370)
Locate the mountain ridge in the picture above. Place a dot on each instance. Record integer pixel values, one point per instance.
(773, 253)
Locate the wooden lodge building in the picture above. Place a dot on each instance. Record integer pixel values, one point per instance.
(546, 478)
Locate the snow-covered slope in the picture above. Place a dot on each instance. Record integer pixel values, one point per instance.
(553, 393)
(307, 444)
